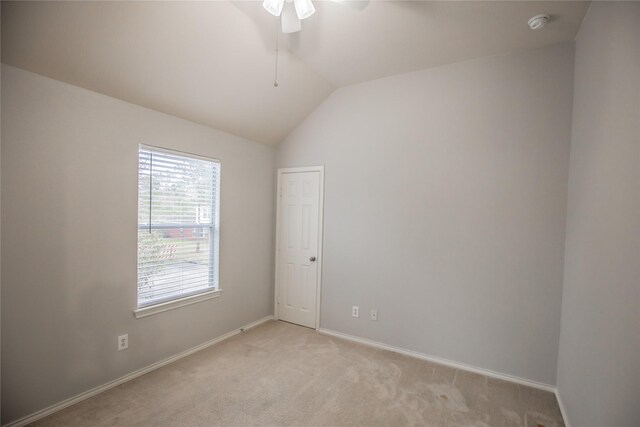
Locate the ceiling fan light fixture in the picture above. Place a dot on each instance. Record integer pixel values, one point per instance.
(274, 7)
(304, 8)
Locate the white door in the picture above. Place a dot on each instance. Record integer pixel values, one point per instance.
(299, 204)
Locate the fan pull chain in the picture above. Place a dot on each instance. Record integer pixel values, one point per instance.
(275, 81)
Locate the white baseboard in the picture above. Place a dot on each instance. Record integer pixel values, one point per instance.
(441, 361)
(563, 410)
(111, 384)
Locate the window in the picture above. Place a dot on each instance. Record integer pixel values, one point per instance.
(178, 215)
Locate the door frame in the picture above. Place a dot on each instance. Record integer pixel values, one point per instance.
(281, 173)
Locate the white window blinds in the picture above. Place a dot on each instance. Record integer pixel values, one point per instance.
(178, 213)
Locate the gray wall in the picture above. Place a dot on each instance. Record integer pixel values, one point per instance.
(599, 363)
(69, 184)
(445, 198)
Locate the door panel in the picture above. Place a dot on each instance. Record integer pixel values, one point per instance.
(299, 227)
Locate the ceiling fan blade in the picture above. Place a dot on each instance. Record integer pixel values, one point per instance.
(290, 21)
(274, 7)
(304, 8)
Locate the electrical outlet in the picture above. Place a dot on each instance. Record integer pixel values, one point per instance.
(374, 314)
(355, 311)
(123, 342)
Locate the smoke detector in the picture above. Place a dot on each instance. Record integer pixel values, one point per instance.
(538, 21)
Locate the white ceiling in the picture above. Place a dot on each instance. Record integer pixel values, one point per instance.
(213, 62)
(202, 61)
(349, 44)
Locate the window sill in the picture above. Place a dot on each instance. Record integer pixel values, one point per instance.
(170, 305)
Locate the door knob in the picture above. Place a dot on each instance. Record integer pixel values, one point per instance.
(312, 259)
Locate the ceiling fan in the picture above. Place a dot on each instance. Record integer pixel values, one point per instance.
(292, 12)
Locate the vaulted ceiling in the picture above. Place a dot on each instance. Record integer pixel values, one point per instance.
(213, 62)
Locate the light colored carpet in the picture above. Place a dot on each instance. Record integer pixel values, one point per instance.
(282, 374)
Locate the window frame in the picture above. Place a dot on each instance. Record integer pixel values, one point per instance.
(214, 244)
